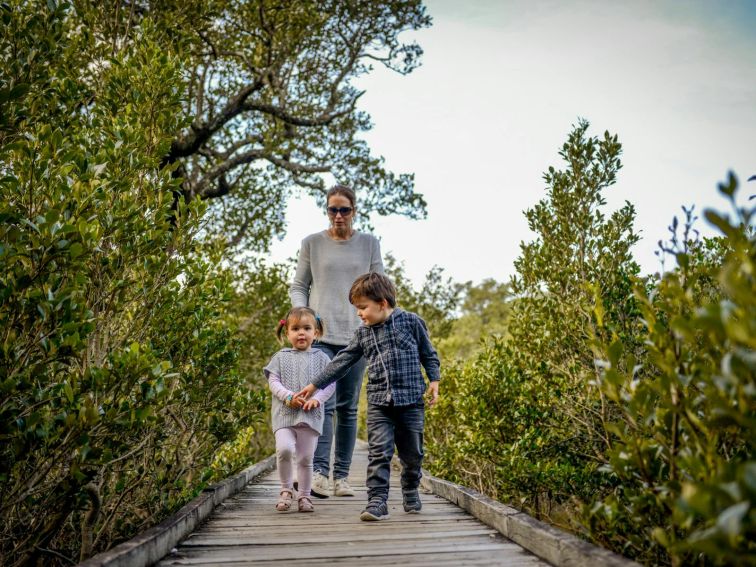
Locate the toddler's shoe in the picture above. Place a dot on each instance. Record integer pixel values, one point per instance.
(320, 485)
(375, 511)
(305, 504)
(411, 500)
(341, 488)
(284, 500)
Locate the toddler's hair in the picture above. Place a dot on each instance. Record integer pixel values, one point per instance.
(373, 286)
(296, 314)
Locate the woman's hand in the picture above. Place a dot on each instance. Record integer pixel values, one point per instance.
(312, 403)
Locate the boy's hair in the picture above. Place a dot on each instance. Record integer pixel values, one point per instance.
(295, 314)
(373, 286)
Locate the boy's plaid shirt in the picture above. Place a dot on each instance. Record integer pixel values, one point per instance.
(394, 350)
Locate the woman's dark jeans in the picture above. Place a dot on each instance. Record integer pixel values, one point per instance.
(344, 405)
(388, 426)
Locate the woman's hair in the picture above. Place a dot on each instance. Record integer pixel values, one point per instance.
(344, 191)
(373, 286)
(296, 314)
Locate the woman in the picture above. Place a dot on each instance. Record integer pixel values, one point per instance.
(329, 261)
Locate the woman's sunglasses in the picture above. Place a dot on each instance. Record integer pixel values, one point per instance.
(333, 211)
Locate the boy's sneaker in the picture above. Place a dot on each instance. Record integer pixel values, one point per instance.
(320, 485)
(411, 501)
(341, 488)
(375, 511)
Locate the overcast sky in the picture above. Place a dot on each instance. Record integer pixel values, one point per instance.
(502, 83)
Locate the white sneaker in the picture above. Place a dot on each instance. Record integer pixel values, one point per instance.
(320, 485)
(341, 488)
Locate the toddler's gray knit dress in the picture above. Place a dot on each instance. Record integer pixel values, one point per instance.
(297, 369)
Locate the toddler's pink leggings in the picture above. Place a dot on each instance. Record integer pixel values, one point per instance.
(301, 441)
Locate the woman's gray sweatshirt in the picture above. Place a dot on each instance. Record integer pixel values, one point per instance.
(326, 271)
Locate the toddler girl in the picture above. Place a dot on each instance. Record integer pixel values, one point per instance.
(297, 423)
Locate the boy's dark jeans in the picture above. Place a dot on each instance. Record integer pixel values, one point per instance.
(389, 425)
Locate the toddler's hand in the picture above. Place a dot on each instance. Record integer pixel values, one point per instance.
(311, 404)
(294, 401)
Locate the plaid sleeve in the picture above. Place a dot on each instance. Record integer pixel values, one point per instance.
(337, 367)
(428, 355)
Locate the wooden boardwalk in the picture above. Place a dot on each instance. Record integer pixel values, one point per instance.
(247, 530)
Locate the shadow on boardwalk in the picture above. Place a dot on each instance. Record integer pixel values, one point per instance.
(247, 530)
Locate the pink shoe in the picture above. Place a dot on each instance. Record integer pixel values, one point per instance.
(305, 504)
(284, 500)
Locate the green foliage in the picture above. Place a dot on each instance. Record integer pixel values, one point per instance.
(119, 375)
(619, 407)
(436, 301)
(257, 302)
(267, 89)
(527, 412)
(484, 315)
(683, 452)
(130, 346)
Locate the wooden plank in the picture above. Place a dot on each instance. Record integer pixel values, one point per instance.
(465, 559)
(247, 530)
(285, 532)
(309, 538)
(187, 556)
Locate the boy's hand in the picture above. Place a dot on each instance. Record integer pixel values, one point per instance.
(432, 393)
(306, 392)
(311, 404)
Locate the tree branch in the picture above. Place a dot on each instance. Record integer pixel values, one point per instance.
(323, 119)
(189, 144)
(203, 187)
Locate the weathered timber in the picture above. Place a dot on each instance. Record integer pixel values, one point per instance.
(558, 547)
(457, 527)
(248, 530)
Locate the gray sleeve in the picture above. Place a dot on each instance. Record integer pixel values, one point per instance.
(340, 363)
(299, 290)
(274, 366)
(376, 262)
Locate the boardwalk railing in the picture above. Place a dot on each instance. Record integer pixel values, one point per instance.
(247, 530)
(157, 542)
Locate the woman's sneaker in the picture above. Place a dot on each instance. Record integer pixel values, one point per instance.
(320, 485)
(375, 511)
(341, 488)
(411, 501)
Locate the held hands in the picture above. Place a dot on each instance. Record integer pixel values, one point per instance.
(294, 401)
(306, 392)
(300, 399)
(432, 393)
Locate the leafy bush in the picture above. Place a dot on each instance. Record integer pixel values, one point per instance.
(619, 407)
(529, 413)
(118, 371)
(484, 313)
(682, 452)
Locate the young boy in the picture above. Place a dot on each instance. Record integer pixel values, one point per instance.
(395, 344)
